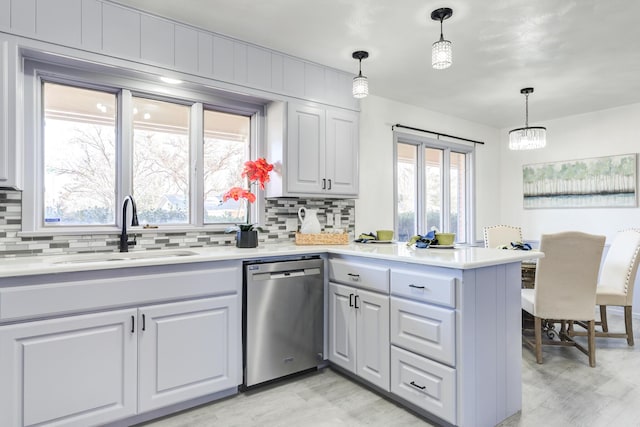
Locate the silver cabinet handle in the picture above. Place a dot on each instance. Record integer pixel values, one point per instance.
(416, 286)
(354, 277)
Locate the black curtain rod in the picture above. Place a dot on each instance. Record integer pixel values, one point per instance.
(436, 133)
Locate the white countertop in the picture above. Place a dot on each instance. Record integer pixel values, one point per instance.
(458, 258)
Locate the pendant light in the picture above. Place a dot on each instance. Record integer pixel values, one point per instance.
(528, 137)
(441, 53)
(360, 83)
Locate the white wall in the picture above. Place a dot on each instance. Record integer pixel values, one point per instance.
(600, 133)
(374, 208)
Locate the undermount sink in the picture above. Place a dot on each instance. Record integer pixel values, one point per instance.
(121, 256)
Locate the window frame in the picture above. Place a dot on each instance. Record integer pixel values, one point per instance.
(126, 84)
(421, 142)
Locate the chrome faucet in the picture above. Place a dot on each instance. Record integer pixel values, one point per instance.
(124, 239)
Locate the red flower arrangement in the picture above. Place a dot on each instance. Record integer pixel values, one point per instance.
(257, 172)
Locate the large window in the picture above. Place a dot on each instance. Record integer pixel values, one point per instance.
(98, 138)
(433, 187)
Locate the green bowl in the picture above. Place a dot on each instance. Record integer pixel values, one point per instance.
(446, 239)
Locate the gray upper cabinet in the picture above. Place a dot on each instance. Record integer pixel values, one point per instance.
(317, 155)
(4, 113)
(10, 157)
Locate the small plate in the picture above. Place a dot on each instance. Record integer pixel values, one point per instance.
(442, 246)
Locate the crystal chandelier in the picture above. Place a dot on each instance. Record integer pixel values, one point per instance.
(441, 54)
(527, 138)
(360, 83)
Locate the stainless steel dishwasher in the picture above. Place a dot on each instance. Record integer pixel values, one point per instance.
(283, 318)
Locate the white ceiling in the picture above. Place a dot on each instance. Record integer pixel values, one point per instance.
(579, 55)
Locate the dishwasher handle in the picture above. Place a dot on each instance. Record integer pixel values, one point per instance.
(286, 274)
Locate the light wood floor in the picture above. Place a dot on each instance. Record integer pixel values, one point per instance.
(564, 391)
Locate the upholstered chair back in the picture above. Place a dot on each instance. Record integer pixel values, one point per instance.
(567, 276)
(620, 266)
(499, 235)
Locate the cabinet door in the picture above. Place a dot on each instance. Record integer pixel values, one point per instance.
(342, 153)
(306, 150)
(4, 113)
(187, 349)
(342, 326)
(72, 371)
(373, 337)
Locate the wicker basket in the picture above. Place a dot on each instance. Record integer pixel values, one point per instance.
(322, 239)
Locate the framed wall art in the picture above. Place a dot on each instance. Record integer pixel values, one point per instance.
(585, 183)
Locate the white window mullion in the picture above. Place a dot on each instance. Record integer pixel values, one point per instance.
(421, 187)
(196, 143)
(124, 169)
(446, 191)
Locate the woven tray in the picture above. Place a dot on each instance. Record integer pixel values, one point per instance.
(322, 239)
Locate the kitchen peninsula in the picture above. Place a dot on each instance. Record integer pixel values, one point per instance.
(453, 349)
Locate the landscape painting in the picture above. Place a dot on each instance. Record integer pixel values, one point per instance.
(586, 183)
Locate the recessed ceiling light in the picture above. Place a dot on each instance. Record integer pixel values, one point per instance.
(170, 80)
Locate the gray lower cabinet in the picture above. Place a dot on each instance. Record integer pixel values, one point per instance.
(74, 371)
(95, 368)
(423, 341)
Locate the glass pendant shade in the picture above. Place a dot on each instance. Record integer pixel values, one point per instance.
(360, 83)
(529, 138)
(360, 86)
(441, 54)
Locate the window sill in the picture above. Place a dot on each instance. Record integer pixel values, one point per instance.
(130, 230)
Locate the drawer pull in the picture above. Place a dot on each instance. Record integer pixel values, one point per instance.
(356, 300)
(416, 286)
(354, 277)
(418, 386)
(133, 324)
(350, 300)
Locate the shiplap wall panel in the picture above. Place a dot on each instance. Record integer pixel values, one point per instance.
(277, 72)
(92, 25)
(120, 31)
(23, 16)
(259, 68)
(157, 40)
(314, 82)
(5, 14)
(223, 58)
(205, 53)
(186, 50)
(293, 76)
(240, 62)
(60, 21)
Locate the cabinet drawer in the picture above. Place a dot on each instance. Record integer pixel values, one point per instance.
(428, 287)
(426, 329)
(361, 275)
(425, 383)
(68, 295)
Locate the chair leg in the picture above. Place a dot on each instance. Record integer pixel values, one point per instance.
(628, 324)
(537, 326)
(592, 343)
(603, 318)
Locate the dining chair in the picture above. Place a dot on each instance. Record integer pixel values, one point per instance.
(500, 235)
(565, 288)
(616, 283)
